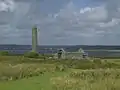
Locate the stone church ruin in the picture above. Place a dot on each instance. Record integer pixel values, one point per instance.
(62, 54)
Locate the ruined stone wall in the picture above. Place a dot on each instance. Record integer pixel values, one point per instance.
(71, 55)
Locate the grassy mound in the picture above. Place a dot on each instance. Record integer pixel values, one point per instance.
(4, 53)
(31, 54)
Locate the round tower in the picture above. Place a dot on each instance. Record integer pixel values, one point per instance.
(34, 39)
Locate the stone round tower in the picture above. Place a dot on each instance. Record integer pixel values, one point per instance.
(34, 39)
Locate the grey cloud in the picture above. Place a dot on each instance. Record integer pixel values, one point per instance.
(6, 17)
(63, 25)
(112, 8)
(110, 26)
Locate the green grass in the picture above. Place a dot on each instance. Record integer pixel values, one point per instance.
(57, 81)
(88, 80)
(94, 74)
(35, 83)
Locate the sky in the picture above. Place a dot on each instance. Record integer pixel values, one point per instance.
(60, 22)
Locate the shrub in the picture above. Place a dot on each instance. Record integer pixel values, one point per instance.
(97, 61)
(104, 79)
(4, 53)
(60, 68)
(19, 71)
(86, 64)
(42, 56)
(96, 74)
(48, 55)
(31, 54)
(83, 64)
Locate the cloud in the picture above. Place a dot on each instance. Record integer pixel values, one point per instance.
(85, 18)
(7, 5)
(66, 23)
(86, 24)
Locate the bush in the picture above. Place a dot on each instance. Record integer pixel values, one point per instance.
(96, 74)
(86, 64)
(60, 68)
(19, 71)
(31, 54)
(48, 55)
(4, 53)
(97, 61)
(100, 79)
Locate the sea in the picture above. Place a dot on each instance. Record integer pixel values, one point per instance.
(92, 50)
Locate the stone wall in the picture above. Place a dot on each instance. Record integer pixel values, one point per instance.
(72, 55)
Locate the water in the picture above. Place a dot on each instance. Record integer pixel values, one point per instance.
(91, 50)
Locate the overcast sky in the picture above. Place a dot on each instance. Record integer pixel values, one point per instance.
(64, 22)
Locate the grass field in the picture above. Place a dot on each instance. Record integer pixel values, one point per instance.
(33, 83)
(20, 73)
